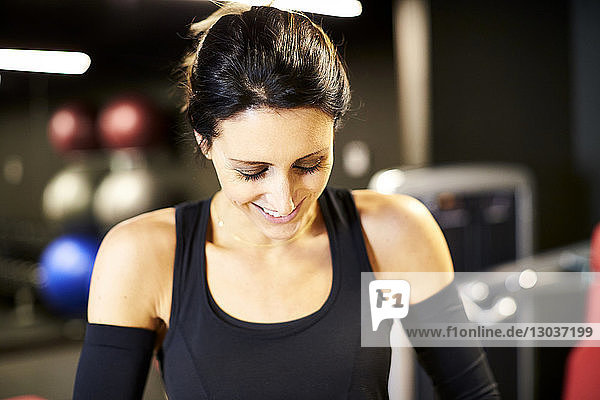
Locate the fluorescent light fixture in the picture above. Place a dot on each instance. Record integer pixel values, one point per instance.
(57, 62)
(336, 8)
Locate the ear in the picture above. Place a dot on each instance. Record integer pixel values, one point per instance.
(202, 144)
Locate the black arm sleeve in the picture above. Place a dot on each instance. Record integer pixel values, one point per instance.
(456, 372)
(114, 363)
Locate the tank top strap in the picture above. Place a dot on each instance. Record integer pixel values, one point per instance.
(340, 213)
(190, 225)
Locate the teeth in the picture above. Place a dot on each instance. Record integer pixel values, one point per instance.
(272, 213)
(275, 214)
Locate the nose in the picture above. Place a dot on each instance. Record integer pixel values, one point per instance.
(281, 195)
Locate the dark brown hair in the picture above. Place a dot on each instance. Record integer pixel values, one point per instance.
(256, 57)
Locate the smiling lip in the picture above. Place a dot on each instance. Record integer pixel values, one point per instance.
(279, 220)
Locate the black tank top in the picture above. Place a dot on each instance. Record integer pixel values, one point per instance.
(208, 354)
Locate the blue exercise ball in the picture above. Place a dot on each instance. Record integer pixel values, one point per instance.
(65, 271)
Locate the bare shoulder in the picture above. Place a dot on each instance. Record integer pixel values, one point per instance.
(133, 272)
(402, 236)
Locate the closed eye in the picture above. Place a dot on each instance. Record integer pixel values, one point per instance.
(254, 176)
(310, 170)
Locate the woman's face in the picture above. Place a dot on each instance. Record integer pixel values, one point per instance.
(272, 165)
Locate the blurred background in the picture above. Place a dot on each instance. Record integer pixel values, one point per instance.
(484, 110)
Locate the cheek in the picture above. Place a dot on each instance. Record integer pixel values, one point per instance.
(235, 189)
(239, 192)
(316, 182)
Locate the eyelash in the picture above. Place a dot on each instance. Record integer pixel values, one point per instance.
(260, 174)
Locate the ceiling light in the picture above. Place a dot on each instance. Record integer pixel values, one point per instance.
(336, 8)
(57, 62)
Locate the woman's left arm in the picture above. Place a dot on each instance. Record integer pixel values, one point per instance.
(402, 237)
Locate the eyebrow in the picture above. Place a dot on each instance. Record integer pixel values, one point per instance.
(266, 163)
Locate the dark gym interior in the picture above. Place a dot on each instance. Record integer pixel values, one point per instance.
(510, 83)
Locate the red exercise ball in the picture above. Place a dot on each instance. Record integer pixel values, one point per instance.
(71, 127)
(130, 121)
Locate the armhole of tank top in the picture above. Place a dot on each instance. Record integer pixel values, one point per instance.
(357, 234)
(176, 286)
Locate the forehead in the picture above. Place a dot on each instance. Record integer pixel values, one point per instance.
(260, 132)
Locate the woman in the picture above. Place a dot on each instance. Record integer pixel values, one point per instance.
(255, 293)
